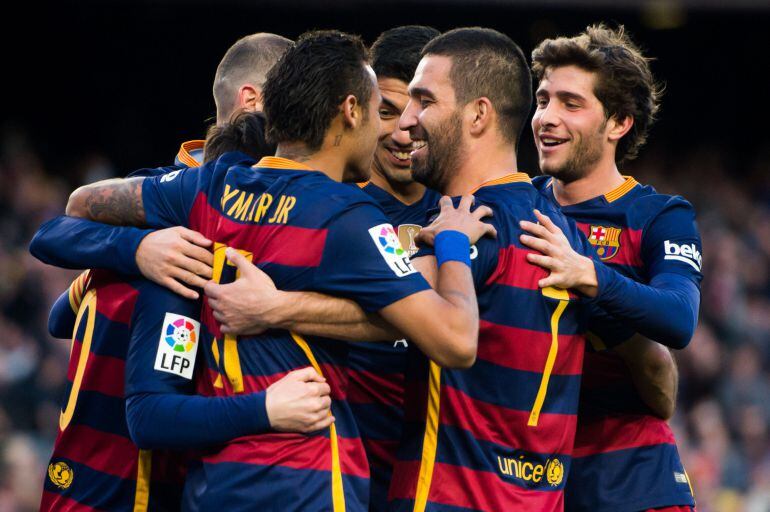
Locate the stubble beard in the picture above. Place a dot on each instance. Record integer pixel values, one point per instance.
(445, 152)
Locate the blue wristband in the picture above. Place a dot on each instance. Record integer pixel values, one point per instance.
(452, 246)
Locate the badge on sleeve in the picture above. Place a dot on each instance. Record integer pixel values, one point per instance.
(178, 345)
(386, 240)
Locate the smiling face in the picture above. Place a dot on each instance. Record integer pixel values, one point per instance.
(392, 158)
(434, 122)
(569, 125)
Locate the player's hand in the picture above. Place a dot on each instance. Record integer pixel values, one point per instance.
(569, 269)
(176, 257)
(458, 219)
(249, 305)
(299, 402)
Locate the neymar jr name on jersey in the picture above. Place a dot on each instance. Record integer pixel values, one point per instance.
(243, 206)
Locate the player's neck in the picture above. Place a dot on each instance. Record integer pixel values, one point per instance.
(407, 193)
(598, 181)
(480, 166)
(328, 162)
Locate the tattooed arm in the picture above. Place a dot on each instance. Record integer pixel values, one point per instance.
(116, 201)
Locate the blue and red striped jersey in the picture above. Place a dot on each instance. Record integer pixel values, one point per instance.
(625, 458)
(376, 370)
(95, 465)
(499, 435)
(307, 232)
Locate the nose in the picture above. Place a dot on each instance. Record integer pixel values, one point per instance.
(408, 117)
(401, 137)
(547, 116)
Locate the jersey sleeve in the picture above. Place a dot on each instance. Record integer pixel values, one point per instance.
(61, 319)
(72, 242)
(671, 243)
(168, 198)
(363, 260)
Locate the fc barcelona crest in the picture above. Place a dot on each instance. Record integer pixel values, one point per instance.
(406, 235)
(606, 240)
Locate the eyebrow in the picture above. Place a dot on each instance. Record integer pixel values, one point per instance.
(389, 103)
(421, 91)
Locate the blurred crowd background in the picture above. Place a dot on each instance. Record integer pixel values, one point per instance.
(104, 99)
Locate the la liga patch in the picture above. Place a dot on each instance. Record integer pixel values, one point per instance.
(178, 345)
(387, 242)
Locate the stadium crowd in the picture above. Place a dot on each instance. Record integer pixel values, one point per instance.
(722, 413)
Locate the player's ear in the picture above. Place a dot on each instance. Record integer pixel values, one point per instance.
(351, 112)
(617, 129)
(249, 98)
(481, 114)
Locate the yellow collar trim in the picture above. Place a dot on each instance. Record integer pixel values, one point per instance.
(623, 189)
(184, 155)
(276, 162)
(515, 177)
(362, 184)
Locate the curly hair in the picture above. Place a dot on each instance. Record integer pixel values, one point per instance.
(625, 85)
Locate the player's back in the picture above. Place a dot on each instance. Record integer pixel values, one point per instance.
(498, 435)
(95, 465)
(307, 232)
(617, 434)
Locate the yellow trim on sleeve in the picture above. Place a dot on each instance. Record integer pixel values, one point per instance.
(338, 491)
(143, 472)
(430, 439)
(89, 305)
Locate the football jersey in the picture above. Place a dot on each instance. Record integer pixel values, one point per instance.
(626, 458)
(376, 370)
(307, 232)
(499, 435)
(95, 465)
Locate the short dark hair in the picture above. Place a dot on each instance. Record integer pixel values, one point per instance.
(246, 61)
(487, 63)
(397, 51)
(625, 85)
(304, 89)
(244, 133)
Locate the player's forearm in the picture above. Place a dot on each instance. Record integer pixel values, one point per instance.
(174, 421)
(316, 314)
(666, 310)
(654, 373)
(71, 242)
(115, 201)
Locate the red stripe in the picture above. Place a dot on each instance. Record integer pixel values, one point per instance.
(269, 243)
(505, 346)
(478, 490)
(294, 451)
(53, 502)
(513, 269)
(104, 374)
(554, 434)
(116, 301)
(630, 250)
(619, 432)
(369, 387)
(335, 376)
(108, 453)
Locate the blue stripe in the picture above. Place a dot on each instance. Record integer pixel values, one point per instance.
(527, 309)
(514, 389)
(246, 487)
(378, 421)
(96, 489)
(101, 412)
(627, 481)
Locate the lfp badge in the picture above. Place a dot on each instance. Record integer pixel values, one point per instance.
(387, 242)
(177, 346)
(606, 240)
